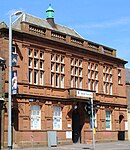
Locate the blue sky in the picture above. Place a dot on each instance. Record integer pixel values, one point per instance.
(106, 22)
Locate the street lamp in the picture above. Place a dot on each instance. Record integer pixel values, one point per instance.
(10, 80)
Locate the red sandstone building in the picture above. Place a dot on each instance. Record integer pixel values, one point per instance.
(57, 71)
(127, 72)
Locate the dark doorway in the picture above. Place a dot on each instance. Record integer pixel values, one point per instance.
(121, 132)
(76, 132)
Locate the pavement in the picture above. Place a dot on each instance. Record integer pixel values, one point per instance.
(120, 145)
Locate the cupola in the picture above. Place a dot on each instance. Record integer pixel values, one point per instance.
(50, 16)
(50, 12)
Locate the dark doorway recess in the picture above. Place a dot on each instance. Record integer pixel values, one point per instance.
(121, 132)
(76, 132)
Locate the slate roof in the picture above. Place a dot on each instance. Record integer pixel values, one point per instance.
(127, 72)
(43, 23)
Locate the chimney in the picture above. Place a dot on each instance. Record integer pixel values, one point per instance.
(50, 16)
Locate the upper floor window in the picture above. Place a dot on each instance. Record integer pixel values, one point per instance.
(36, 66)
(62, 81)
(76, 82)
(96, 67)
(41, 78)
(30, 62)
(57, 67)
(30, 52)
(57, 58)
(80, 63)
(35, 53)
(57, 80)
(110, 70)
(93, 76)
(52, 79)
(92, 66)
(35, 63)
(30, 76)
(62, 59)
(52, 66)
(96, 86)
(41, 55)
(72, 61)
(110, 89)
(41, 65)
(119, 76)
(62, 68)
(57, 70)
(35, 77)
(76, 73)
(52, 57)
(80, 82)
(107, 79)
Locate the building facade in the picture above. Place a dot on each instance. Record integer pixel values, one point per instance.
(127, 70)
(2, 100)
(57, 73)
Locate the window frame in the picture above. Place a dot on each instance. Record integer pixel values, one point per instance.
(57, 80)
(52, 79)
(35, 64)
(30, 76)
(30, 62)
(41, 64)
(80, 83)
(35, 79)
(62, 81)
(36, 52)
(41, 78)
(57, 115)
(36, 117)
(110, 117)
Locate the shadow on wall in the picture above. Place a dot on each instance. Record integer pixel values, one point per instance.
(15, 115)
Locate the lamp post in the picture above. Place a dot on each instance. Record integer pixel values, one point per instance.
(10, 80)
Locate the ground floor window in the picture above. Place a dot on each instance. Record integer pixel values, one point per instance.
(57, 118)
(108, 120)
(35, 117)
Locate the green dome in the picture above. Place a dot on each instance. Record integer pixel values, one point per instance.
(50, 12)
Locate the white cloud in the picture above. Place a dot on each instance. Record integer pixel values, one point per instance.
(106, 24)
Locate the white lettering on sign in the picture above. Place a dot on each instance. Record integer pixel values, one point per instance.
(85, 94)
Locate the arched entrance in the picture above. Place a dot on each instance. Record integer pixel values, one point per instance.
(76, 132)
